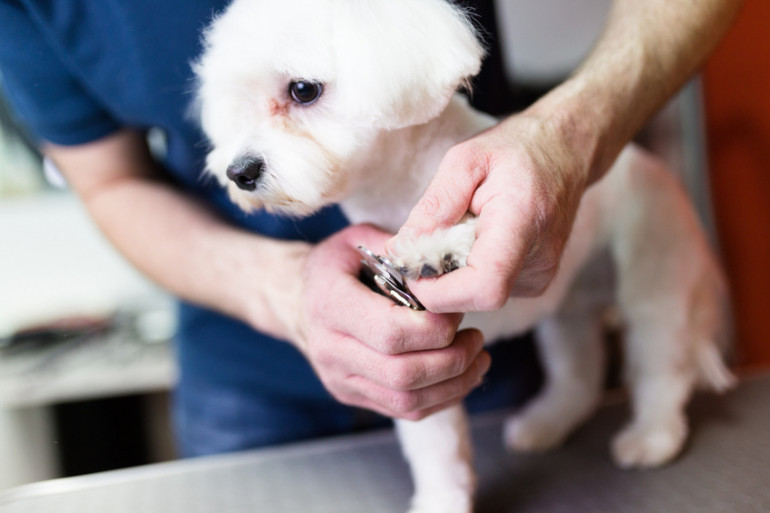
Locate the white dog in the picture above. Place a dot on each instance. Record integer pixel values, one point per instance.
(312, 102)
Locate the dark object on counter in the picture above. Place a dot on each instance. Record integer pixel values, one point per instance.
(74, 328)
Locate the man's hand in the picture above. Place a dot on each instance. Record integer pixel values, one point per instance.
(524, 178)
(524, 185)
(370, 352)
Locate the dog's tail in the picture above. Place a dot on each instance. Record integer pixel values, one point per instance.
(713, 374)
(715, 345)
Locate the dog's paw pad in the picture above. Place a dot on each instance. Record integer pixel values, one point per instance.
(418, 263)
(434, 254)
(648, 446)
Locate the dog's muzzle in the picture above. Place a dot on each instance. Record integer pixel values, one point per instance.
(246, 171)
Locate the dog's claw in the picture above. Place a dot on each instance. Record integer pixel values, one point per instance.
(428, 271)
(450, 263)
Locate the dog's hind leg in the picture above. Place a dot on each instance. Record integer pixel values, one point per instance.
(669, 293)
(660, 379)
(572, 355)
(438, 449)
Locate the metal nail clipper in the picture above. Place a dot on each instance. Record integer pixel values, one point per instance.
(382, 276)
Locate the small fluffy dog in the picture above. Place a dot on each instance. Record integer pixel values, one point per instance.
(313, 102)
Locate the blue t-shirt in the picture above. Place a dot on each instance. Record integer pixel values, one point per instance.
(75, 71)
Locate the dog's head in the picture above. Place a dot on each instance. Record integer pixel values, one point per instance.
(292, 91)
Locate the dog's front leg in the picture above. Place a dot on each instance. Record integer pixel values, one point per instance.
(438, 449)
(570, 344)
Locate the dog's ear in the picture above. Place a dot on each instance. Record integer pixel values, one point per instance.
(400, 61)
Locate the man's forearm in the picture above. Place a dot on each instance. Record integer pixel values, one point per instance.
(190, 252)
(178, 242)
(648, 50)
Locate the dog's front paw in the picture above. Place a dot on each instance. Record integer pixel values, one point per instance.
(649, 445)
(436, 253)
(448, 501)
(529, 433)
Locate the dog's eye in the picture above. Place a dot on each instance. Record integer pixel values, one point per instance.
(304, 92)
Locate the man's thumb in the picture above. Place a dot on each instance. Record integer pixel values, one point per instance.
(446, 200)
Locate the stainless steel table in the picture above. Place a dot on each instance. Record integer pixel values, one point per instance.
(726, 468)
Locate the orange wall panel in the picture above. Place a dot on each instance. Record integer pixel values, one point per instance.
(737, 97)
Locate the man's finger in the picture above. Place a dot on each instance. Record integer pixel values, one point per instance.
(417, 370)
(417, 403)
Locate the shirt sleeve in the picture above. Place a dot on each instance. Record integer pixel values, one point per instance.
(46, 97)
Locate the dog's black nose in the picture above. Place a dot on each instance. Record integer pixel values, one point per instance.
(245, 172)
